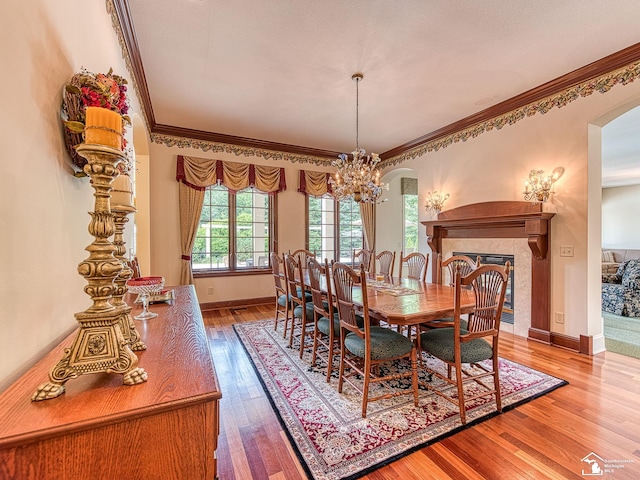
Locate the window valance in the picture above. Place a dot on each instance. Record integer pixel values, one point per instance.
(314, 183)
(200, 173)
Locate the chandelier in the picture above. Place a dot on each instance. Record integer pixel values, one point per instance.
(358, 177)
(538, 188)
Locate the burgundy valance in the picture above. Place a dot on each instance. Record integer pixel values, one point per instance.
(200, 173)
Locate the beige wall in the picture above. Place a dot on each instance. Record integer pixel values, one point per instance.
(43, 208)
(620, 226)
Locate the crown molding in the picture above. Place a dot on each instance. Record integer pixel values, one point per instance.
(619, 68)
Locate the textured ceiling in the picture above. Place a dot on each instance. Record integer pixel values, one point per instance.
(281, 70)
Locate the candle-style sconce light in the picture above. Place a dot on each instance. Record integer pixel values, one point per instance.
(435, 201)
(538, 187)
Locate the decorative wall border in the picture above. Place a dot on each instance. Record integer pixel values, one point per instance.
(237, 150)
(620, 68)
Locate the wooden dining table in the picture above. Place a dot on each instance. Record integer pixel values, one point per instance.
(406, 301)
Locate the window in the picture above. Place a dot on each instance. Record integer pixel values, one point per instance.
(333, 227)
(322, 226)
(235, 231)
(410, 216)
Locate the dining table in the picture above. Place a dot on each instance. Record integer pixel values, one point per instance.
(408, 302)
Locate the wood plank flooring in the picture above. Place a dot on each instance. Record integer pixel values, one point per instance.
(546, 438)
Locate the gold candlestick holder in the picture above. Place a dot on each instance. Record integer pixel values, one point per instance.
(99, 345)
(127, 325)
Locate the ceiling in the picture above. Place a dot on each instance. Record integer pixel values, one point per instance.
(280, 71)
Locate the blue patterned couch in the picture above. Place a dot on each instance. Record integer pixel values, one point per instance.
(621, 290)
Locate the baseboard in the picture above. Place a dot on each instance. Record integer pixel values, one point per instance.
(244, 302)
(584, 344)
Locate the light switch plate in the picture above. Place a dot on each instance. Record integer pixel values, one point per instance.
(566, 251)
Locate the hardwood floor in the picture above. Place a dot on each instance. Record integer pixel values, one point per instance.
(545, 438)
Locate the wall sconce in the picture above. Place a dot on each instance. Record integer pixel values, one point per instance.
(538, 188)
(435, 201)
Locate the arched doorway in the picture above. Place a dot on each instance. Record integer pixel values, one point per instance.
(597, 135)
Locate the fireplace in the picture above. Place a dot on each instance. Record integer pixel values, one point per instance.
(499, 259)
(503, 220)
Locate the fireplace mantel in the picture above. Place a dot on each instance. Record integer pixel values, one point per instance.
(505, 219)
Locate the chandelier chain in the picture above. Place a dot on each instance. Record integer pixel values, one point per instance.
(357, 114)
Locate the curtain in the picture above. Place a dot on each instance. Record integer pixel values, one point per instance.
(191, 201)
(196, 174)
(368, 215)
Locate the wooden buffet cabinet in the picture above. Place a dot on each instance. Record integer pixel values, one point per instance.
(165, 428)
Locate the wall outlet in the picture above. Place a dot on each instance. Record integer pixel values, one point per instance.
(566, 251)
(210, 291)
(559, 317)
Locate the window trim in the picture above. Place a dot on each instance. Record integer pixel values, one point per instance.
(273, 241)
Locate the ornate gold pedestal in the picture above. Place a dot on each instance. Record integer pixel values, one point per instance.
(100, 345)
(127, 326)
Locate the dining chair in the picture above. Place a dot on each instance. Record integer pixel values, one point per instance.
(465, 262)
(302, 255)
(451, 265)
(364, 348)
(361, 257)
(386, 261)
(463, 349)
(417, 264)
(326, 324)
(300, 301)
(134, 265)
(283, 302)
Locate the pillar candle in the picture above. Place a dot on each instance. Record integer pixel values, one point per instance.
(103, 127)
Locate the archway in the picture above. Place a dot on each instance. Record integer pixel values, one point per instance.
(595, 328)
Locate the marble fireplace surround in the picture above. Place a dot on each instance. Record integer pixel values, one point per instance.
(506, 220)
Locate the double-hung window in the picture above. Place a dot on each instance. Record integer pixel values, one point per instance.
(334, 229)
(235, 232)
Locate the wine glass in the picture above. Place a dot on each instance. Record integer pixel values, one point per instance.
(144, 286)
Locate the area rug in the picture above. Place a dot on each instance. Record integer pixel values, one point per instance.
(332, 440)
(622, 334)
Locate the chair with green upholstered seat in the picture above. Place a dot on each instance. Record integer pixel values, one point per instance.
(361, 257)
(325, 318)
(451, 265)
(416, 263)
(462, 349)
(302, 321)
(386, 260)
(364, 348)
(283, 303)
(302, 256)
(466, 264)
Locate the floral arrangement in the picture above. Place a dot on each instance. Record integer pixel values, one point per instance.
(87, 89)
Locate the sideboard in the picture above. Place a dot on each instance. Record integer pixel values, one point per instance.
(165, 428)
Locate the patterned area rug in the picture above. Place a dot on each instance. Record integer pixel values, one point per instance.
(332, 440)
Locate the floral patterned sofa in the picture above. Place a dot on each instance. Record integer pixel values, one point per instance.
(613, 257)
(621, 290)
